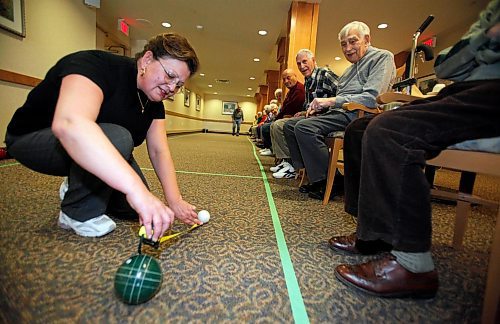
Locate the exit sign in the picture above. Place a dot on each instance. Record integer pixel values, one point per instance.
(122, 26)
(430, 42)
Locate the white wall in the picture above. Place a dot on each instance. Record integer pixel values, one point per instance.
(174, 123)
(213, 111)
(49, 36)
(55, 28)
(210, 114)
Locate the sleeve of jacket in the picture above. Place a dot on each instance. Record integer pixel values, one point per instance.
(329, 85)
(293, 102)
(379, 79)
(456, 62)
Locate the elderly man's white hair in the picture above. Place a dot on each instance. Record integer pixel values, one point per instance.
(278, 91)
(358, 25)
(267, 108)
(306, 52)
(274, 101)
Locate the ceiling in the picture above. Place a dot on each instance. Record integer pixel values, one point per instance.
(229, 39)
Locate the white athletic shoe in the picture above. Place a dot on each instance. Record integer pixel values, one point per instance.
(63, 188)
(266, 152)
(287, 172)
(277, 167)
(94, 227)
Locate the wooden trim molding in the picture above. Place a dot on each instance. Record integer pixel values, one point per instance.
(176, 114)
(17, 78)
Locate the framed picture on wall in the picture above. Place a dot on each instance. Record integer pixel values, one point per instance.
(12, 16)
(187, 97)
(198, 102)
(228, 107)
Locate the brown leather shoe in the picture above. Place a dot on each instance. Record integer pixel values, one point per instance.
(344, 244)
(387, 278)
(349, 244)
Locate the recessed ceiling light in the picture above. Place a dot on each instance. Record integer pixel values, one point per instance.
(199, 27)
(256, 59)
(202, 74)
(166, 24)
(252, 78)
(262, 32)
(216, 93)
(210, 85)
(337, 58)
(249, 89)
(382, 26)
(248, 95)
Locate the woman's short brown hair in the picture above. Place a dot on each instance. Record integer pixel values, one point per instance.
(173, 46)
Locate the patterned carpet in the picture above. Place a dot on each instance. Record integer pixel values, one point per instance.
(230, 270)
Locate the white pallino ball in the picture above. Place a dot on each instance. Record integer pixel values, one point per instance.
(203, 216)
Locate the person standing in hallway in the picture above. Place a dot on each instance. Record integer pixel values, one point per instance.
(83, 122)
(237, 118)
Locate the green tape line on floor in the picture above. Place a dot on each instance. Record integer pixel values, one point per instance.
(210, 174)
(296, 301)
(10, 164)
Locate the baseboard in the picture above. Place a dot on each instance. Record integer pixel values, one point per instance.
(183, 131)
(188, 131)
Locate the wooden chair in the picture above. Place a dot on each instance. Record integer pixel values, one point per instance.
(335, 142)
(483, 163)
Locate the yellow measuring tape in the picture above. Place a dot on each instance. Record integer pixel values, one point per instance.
(142, 233)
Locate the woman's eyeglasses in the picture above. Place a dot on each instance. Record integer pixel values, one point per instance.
(172, 78)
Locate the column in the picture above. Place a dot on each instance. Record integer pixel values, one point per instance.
(302, 30)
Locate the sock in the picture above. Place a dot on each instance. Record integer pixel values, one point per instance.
(415, 262)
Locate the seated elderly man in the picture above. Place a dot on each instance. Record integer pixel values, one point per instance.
(278, 95)
(392, 198)
(320, 82)
(253, 129)
(371, 73)
(263, 130)
(293, 104)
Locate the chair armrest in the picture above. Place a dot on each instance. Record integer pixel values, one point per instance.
(389, 97)
(351, 106)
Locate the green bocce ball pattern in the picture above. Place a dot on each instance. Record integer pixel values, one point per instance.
(138, 279)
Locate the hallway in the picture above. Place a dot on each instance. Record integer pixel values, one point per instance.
(263, 257)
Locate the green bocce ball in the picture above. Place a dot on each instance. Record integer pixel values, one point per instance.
(138, 279)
